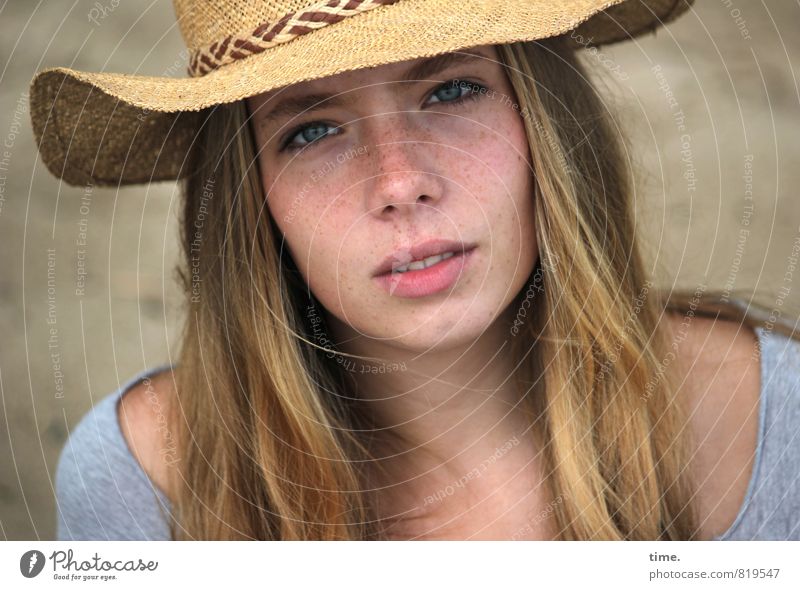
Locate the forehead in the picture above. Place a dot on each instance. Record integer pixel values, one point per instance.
(416, 69)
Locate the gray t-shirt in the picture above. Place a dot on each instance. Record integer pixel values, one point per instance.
(103, 493)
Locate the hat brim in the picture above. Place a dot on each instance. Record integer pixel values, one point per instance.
(111, 129)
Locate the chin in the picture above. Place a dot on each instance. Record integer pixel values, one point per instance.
(439, 333)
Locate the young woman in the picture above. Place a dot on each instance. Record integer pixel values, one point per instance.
(416, 309)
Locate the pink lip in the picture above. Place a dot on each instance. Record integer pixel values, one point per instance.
(426, 281)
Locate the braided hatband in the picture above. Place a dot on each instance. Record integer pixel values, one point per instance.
(266, 35)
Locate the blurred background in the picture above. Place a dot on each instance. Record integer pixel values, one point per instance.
(711, 106)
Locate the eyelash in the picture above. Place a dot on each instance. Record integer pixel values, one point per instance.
(474, 92)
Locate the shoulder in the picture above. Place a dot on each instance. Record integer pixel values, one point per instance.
(719, 369)
(84, 466)
(143, 414)
(101, 494)
(719, 378)
(709, 341)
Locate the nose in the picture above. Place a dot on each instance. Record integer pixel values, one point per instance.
(404, 175)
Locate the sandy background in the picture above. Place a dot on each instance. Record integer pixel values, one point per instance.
(741, 104)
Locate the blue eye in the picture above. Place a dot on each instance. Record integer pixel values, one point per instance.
(453, 92)
(456, 90)
(309, 133)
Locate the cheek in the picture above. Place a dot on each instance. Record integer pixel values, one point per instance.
(511, 248)
(504, 184)
(314, 223)
(508, 155)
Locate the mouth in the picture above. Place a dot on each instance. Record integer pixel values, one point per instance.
(421, 256)
(429, 268)
(424, 263)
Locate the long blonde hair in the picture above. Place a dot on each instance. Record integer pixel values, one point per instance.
(268, 448)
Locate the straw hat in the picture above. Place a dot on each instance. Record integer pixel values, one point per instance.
(111, 129)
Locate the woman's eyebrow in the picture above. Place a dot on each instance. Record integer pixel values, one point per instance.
(433, 65)
(423, 70)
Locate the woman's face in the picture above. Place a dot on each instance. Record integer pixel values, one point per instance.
(398, 165)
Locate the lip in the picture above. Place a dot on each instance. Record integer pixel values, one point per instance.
(426, 281)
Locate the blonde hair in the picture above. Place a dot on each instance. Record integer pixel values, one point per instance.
(268, 443)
